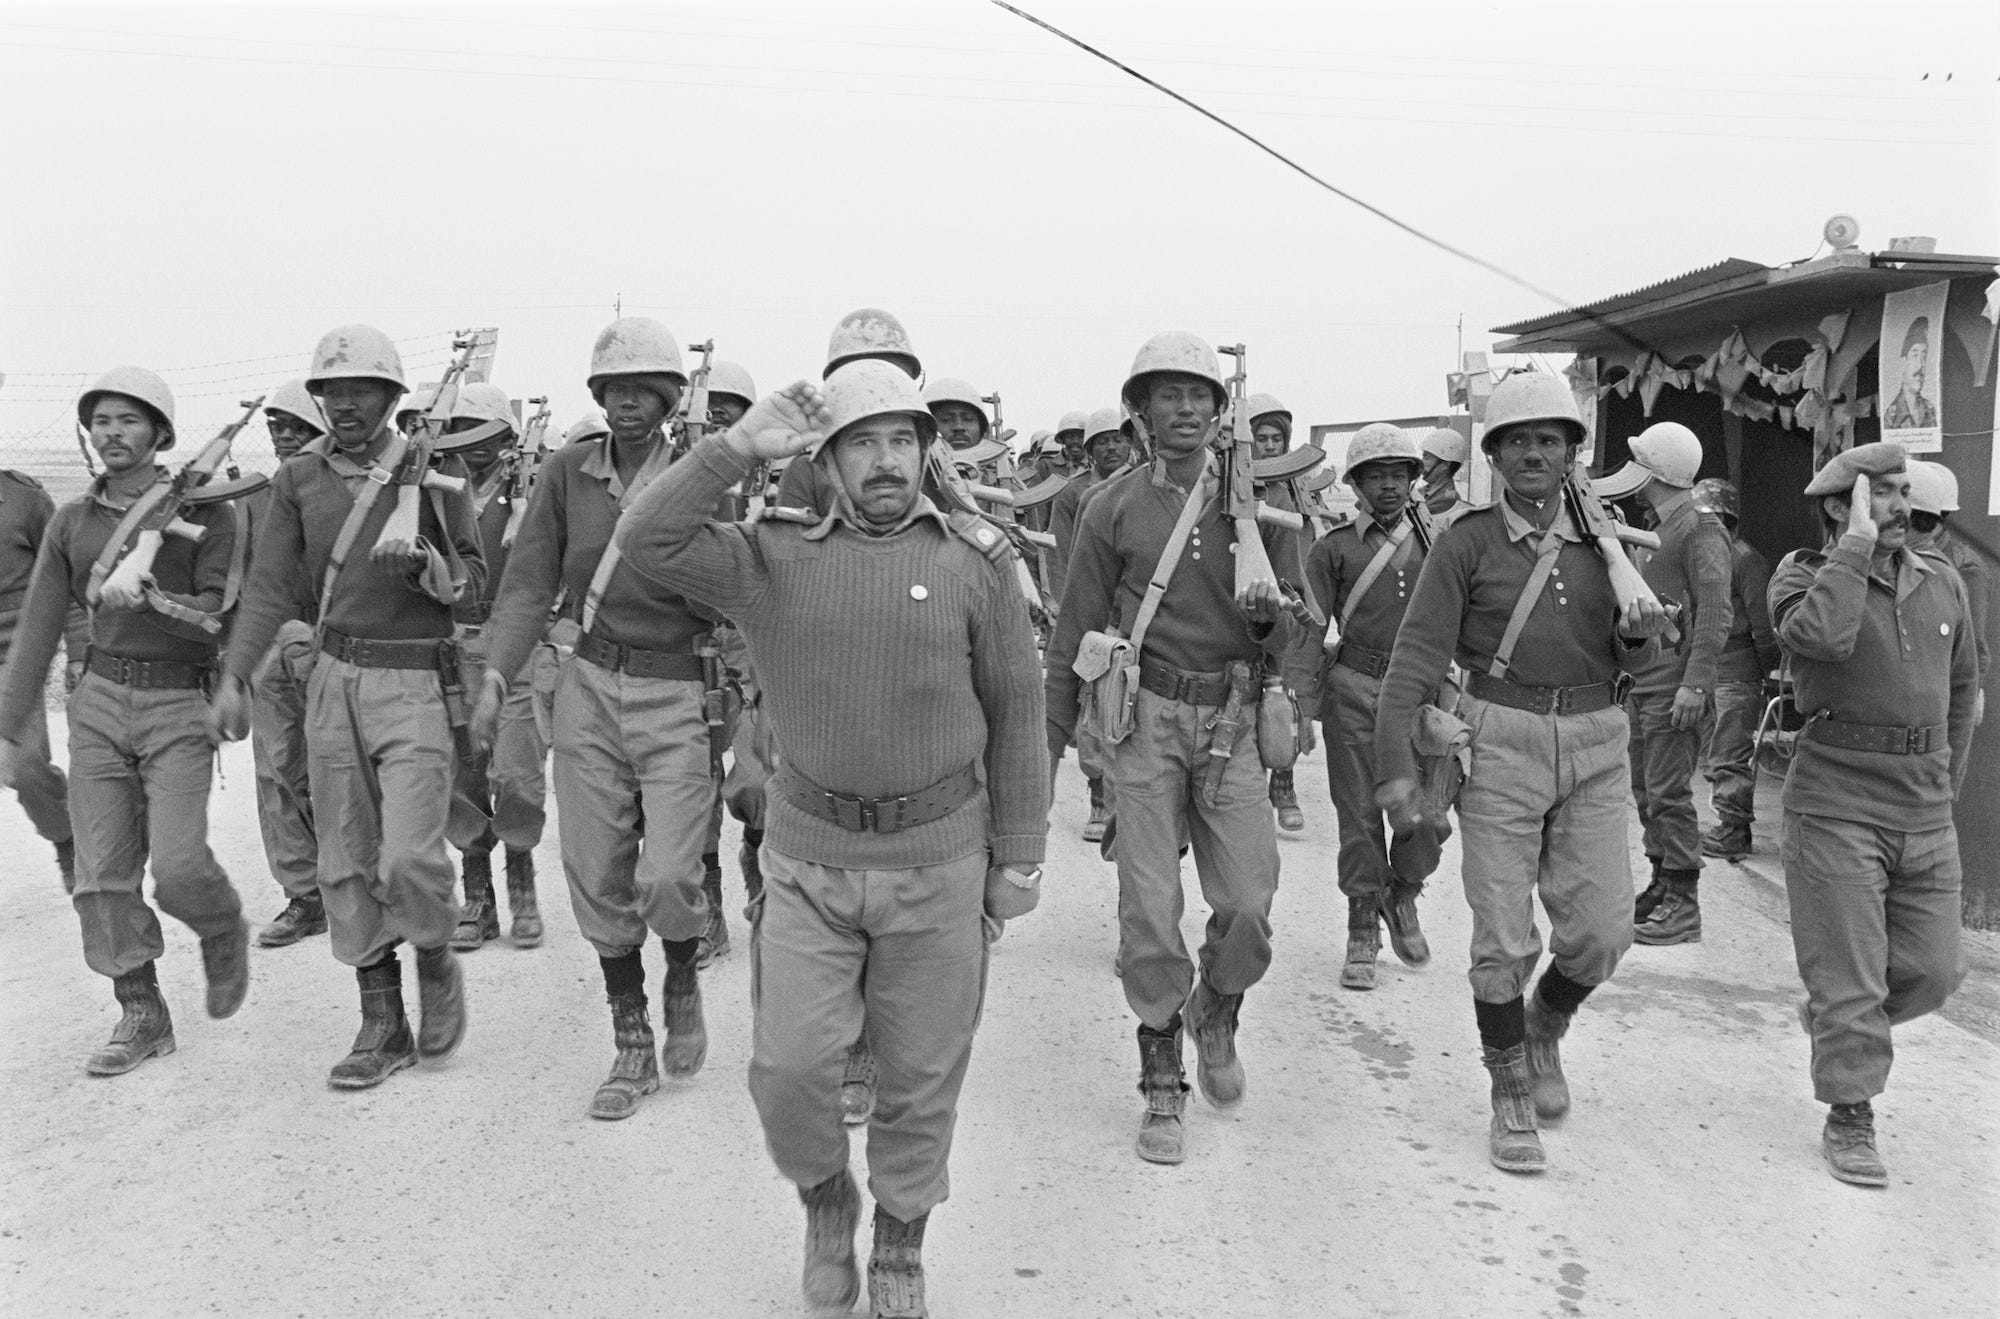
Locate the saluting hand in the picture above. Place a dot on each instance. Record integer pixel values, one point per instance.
(781, 424)
(1860, 512)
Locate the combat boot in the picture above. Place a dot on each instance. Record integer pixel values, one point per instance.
(636, 1071)
(1285, 799)
(1677, 918)
(440, 1003)
(1511, 1140)
(896, 1268)
(1849, 1145)
(1550, 1087)
(146, 1030)
(1729, 839)
(1164, 1084)
(385, 1045)
(1100, 814)
(526, 917)
(857, 1085)
(66, 864)
(1364, 941)
(686, 1048)
(831, 1281)
(714, 940)
(304, 915)
(225, 962)
(1649, 897)
(1211, 1019)
(1399, 913)
(478, 921)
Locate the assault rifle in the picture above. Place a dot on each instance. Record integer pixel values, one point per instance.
(427, 442)
(1594, 521)
(524, 468)
(693, 424)
(1239, 490)
(126, 566)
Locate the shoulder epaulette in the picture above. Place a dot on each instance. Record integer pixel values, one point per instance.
(803, 517)
(1804, 558)
(981, 535)
(22, 477)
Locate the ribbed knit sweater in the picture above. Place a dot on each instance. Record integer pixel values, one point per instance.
(888, 663)
(310, 499)
(1752, 648)
(1335, 566)
(189, 573)
(1877, 641)
(1692, 567)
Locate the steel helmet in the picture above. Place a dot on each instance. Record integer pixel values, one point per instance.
(1933, 488)
(637, 347)
(292, 399)
(1447, 444)
(872, 387)
(1078, 421)
(1044, 441)
(1665, 451)
(1263, 405)
(417, 401)
(1530, 396)
(483, 402)
(730, 378)
(587, 427)
(1104, 421)
(950, 389)
(143, 388)
(1381, 442)
(871, 333)
(1717, 496)
(1179, 352)
(355, 352)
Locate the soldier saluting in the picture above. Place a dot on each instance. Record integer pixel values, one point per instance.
(1887, 671)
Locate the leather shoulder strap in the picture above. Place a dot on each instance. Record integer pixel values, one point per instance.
(1397, 542)
(382, 473)
(1170, 558)
(1545, 562)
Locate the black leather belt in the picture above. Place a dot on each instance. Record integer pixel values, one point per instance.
(369, 653)
(1543, 700)
(1181, 685)
(157, 674)
(637, 662)
(1889, 739)
(882, 815)
(1374, 663)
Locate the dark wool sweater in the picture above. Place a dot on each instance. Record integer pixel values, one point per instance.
(887, 664)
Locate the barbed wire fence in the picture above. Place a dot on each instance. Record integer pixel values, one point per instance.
(39, 435)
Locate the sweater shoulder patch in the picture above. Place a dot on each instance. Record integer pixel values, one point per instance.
(803, 517)
(981, 535)
(21, 477)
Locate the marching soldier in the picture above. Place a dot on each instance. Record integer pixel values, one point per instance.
(1073, 434)
(1526, 606)
(1933, 499)
(1445, 451)
(632, 758)
(380, 703)
(1671, 697)
(498, 794)
(1750, 652)
(25, 512)
(1884, 665)
(1181, 771)
(278, 710)
(590, 426)
(1271, 429)
(1362, 575)
(139, 756)
(900, 670)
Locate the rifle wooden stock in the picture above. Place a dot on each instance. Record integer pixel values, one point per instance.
(1628, 587)
(991, 494)
(1042, 539)
(1239, 490)
(1279, 517)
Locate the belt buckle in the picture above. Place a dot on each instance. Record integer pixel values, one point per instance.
(850, 813)
(1916, 741)
(893, 825)
(1559, 700)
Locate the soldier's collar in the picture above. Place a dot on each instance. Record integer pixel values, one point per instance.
(843, 511)
(1519, 528)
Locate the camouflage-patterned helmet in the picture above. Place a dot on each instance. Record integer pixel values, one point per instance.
(1717, 496)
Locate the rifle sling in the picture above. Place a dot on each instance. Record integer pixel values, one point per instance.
(121, 536)
(1170, 558)
(1545, 561)
(391, 458)
(1396, 546)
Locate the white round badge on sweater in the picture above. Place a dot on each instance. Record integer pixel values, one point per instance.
(920, 592)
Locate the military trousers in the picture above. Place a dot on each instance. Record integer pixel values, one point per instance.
(635, 793)
(1732, 750)
(380, 748)
(501, 795)
(1875, 926)
(278, 751)
(42, 788)
(1663, 763)
(1156, 773)
(140, 765)
(1347, 717)
(1543, 812)
(903, 950)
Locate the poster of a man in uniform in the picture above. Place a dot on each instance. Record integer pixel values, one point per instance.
(1912, 333)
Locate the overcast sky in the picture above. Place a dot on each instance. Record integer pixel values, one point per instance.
(190, 186)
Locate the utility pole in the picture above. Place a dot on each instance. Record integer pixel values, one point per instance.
(618, 306)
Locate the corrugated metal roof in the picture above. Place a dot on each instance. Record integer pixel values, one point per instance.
(1733, 268)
